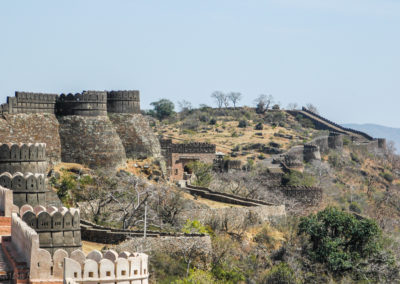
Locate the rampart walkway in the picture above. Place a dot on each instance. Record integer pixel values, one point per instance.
(324, 123)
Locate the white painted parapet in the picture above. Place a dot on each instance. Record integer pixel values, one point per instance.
(125, 268)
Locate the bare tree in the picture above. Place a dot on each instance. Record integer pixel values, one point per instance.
(312, 108)
(131, 202)
(185, 106)
(226, 100)
(235, 97)
(292, 106)
(263, 102)
(219, 97)
(95, 197)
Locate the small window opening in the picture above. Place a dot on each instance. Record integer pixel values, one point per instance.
(135, 272)
(75, 275)
(91, 274)
(108, 273)
(144, 271)
(123, 272)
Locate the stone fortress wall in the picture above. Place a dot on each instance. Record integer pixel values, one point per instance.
(25, 247)
(123, 102)
(110, 267)
(87, 103)
(179, 155)
(24, 102)
(6, 202)
(96, 128)
(23, 158)
(22, 169)
(31, 264)
(58, 228)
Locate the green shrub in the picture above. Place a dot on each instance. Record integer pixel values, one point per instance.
(213, 121)
(295, 178)
(259, 126)
(346, 140)
(388, 176)
(339, 240)
(202, 172)
(243, 123)
(355, 158)
(355, 207)
(280, 274)
(335, 161)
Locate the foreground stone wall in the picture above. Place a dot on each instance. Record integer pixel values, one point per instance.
(90, 141)
(136, 135)
(6, 202)
(57, 228)
(124, 268)
(33, 128)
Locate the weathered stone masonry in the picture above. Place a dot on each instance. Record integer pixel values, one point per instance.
(95, 128)
(178, 156)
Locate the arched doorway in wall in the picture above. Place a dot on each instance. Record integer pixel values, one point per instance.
(187, 169)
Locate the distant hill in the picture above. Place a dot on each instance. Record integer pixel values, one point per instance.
(379, 131)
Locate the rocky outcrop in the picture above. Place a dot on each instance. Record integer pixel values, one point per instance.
(137, 137)
(32, 128)
(90, 141)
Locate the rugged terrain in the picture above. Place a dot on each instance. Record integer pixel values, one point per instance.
(245, 244)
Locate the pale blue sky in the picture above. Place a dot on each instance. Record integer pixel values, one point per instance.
(341, 55)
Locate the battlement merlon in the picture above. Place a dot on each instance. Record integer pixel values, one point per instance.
(23, 152)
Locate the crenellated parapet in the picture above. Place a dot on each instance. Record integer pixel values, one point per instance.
(58, 228)
(28, 102)
(123, 102)
(27, 189)
(195, 147)
(99, 268)
(87, 103)
(23, 158)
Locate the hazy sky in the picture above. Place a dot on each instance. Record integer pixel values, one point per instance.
(341, 55)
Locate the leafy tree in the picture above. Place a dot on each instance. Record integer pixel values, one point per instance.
(339, 240)
(202, 172)
(235, 97)
(163, 108)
